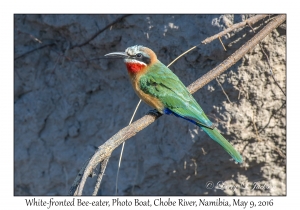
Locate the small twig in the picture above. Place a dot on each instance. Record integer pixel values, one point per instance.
(223, 90)
(273, 113)
(31, 36)
(249, 24)
(100, 176)
(36, 39)
(253, 121)
(271, 143)
(195, 169)
(280, 152)
(271, 72)
(203, 151)
(182, 55)
(250, 21)
(216, 119)
(136, 108)
(222, 43)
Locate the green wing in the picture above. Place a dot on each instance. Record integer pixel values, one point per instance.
(162, 83)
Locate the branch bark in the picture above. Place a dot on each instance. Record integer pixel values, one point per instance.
(105, 150)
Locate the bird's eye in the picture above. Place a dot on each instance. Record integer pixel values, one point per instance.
(139, 55)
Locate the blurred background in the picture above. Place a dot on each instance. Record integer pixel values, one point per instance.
(67, 102)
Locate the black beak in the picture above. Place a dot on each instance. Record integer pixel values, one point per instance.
(117, 55)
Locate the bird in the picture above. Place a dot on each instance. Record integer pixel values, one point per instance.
(161, 89)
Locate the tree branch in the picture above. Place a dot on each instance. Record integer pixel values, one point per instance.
(249, 21)
(100, 176)
(105, 150)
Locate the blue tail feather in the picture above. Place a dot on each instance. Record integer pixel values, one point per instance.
(168, 112)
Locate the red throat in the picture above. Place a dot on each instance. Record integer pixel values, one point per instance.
(134, 67)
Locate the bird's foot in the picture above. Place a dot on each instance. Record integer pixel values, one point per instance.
(154, 112)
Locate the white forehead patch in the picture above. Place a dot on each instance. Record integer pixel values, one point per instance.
(133, 50)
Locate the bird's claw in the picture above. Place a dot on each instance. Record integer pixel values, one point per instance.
(154, 112)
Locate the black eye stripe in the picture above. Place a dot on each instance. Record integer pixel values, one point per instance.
(146, 60)
(142, 57)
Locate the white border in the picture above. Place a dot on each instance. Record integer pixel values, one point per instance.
(8, 201)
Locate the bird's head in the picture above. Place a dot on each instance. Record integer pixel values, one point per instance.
(137, 58)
